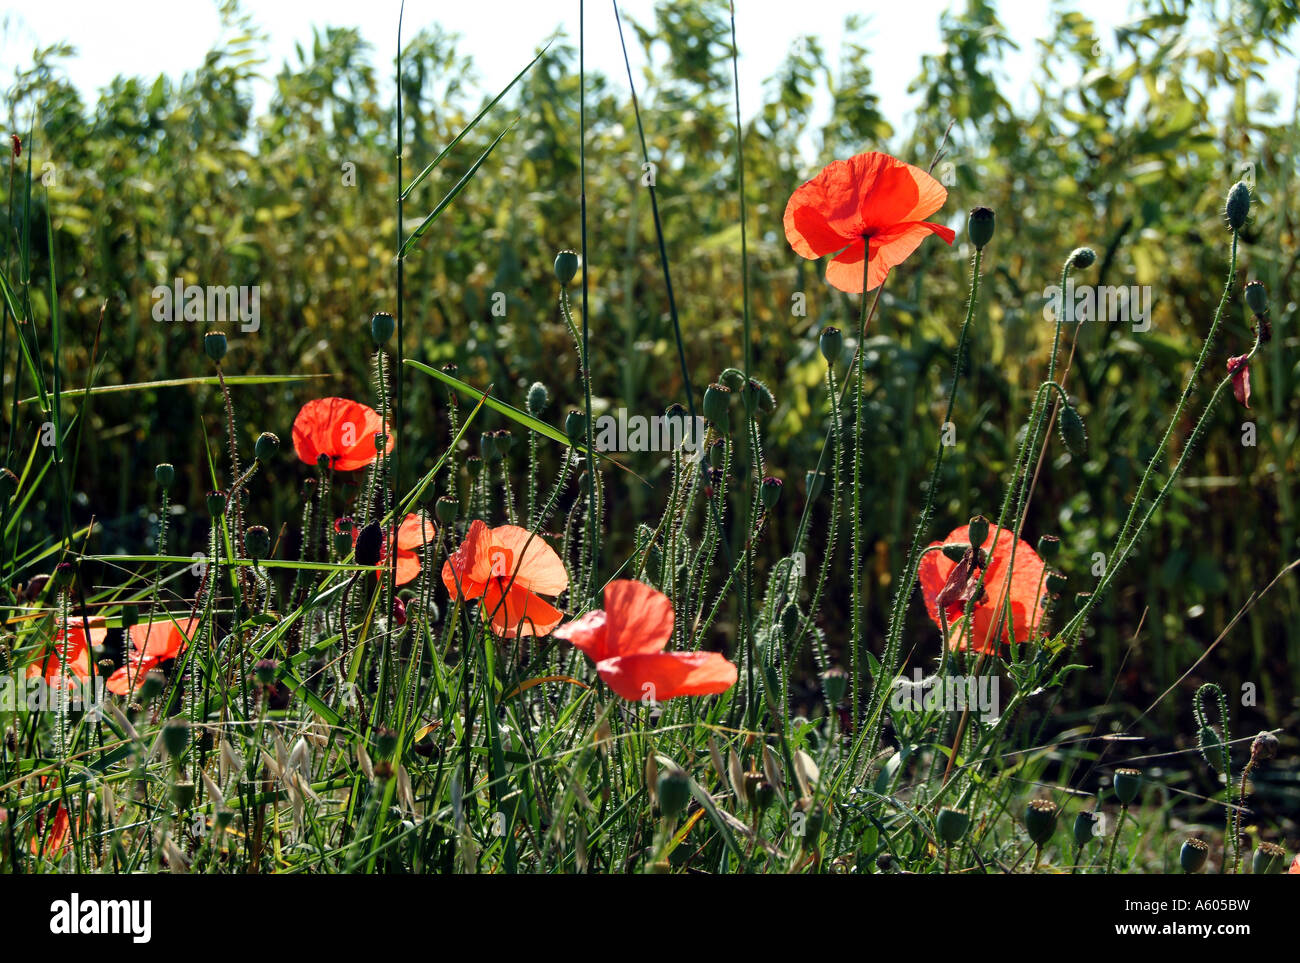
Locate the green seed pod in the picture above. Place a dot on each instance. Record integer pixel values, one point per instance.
(831, 344)
(164, 474)
(1056, 582)
(151, 688)
(835, 682)
(257, 542)
(1040, 820)
(446, 508)
(566, 266)
(266, 447)
(1049, 547)
(770, 492)
(130, 615)
(1128, 783)
(951, 824)
(214, 345)
(1193, 854)
(504, 441)
(385, 742)
(1073, 434)
(1085, 827)
(717, 402)
(343, 536)
(175, 736)
(1257, 298)
(955, 551)
(216, 504)
(1269, 858)
(1082, 257)
(381, 327)
(673, 790)
(764, 795)
(183, 794)
(474, 465)
(575, 426)
(812, 483)
(1237, 208)
(487, 446)
(370, 544)
(978, 530)
(979, 227)
(538, 398)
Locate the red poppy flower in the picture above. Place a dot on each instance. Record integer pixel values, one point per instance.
(870, 202)
(1240, 371)
(152, 644)
(494, 565)
(52, 840)
(1026, 602)
(67, 661)
(626, 639)
(342, 430)
(414, 531)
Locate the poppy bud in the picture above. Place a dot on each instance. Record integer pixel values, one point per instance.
(575, 426)
(1212, 748)
(1040, 820)
(771, 491)
(790, 619)
(831, 344)
(1073, 435)
(130, 615)
(717, 401)
(214, 345)
(1085, 827)
(812, 483)
(504, 441)
(1049, 547)
(978, 530)
(216, 504)
(1056, 582)
(951, 824)
(399, 612)
(381, 327)
(446, 508)
(164, 474)
(175, 736)
(979, 227)
(538, 398)
(342, 536)
(566, 266)
(8, 484)
(266, 447)
(487, 446)
(1237, 207)
(1257, 298)
(955, 551)
(1193, 854)
(264, 671)
(1269, 858)
(758, 397)
(381, 441)
(257, 542)
(764, 795)
(1128, 783)
(369, 545)
(1264, 747)
(674, 792)
(474, 465)
(151, 688)
(835, 682)
(16, 144)
(183, 794)
(1082, 257)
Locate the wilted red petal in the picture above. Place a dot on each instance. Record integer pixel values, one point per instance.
(1240, 371)
(667, 675)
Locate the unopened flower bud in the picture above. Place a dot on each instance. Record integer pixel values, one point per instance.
(164, 474)
(980, 227)
(1082, 257)
(951, 824)
(382, 327)
(369, 546)
(266, 447)
(674, 792)
(566, 266)
(1237, 207)
(831, 344)
(214, 345)
(538, 398)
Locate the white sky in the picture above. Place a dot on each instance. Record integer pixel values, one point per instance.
(146, 37)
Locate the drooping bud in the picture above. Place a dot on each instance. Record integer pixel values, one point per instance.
(771, 491)
(370, 544)
(1257, 298)
(575, 427)
(955, 551)
(980, 227)
(214, 345)
(790, 619)
(566, 266)
(1213, 748)
(382, 327)
(717, 403)
(1040, 820)
(1263, 747)
(1237, 207)
(266, 447)
(1193, 854)
(1073, 435)
(1082, 257)
(831, 344)
(538, 398)
(835, 682)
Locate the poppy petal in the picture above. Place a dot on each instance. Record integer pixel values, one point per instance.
(640, 618)
(520, 613)
(588, 635)
(535, 566)
(467, 570)
(414, 531)
(660, 676)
